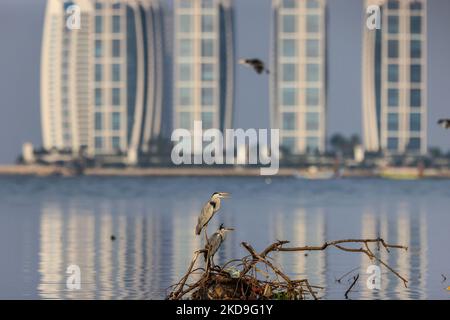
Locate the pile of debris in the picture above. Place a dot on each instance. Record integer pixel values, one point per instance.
(256, 277)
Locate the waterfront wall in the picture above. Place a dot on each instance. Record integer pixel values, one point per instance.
(394, 173)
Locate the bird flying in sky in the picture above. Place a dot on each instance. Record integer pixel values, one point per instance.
(256, 64)
(444, 123)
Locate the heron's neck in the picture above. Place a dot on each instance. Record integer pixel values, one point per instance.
(216, 204)
(223, 235)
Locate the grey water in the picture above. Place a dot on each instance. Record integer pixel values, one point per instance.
(49, 224)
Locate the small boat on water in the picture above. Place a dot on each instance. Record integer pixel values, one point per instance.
(399, 176)
(312, 173)
(400, 173)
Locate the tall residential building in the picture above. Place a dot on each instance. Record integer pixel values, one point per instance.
(102, 84)
(299, 74)
(65, 89)
(400, 223)
(203, 63)
(395, 79)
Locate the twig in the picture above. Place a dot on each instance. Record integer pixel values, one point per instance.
(346, 274)
(355, 279)
(337, 242)
(179, 292)
(260, 258)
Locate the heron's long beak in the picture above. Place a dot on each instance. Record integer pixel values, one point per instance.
(225, 195)
(229, 229)
(241, 61)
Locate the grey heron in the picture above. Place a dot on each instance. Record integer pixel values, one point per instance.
(256, 64)
(208, 211)
(444, 123)
(215, 241)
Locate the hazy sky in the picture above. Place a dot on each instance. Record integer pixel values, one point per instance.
(21, 23)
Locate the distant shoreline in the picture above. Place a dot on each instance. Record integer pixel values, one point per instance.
(397, 173)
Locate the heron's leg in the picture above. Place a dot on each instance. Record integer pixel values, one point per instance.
(207, 263)
(208, 258)
(206, 238)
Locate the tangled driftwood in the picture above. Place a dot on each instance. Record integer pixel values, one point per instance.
(255, 276)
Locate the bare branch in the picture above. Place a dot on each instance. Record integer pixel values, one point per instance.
(222, 282)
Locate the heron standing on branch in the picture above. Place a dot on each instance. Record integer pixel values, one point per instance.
(208, 211)
(215, 241)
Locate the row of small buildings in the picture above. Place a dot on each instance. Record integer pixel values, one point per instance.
(137, 69)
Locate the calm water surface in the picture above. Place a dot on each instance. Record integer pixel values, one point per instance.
(47, 224)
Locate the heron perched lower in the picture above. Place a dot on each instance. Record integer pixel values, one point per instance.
(215, 241)
(208, 211)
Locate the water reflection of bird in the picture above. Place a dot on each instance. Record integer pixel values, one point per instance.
(209, 209)
(256, 64)
(444, 123)
(215, 241)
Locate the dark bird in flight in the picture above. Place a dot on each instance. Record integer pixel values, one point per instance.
(215, 241)
(256, 64)
(209, 209)
(444, 123)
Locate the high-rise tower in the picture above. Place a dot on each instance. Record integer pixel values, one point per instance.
(395, 79)
(102, 83)
(299, 74)
(203, 63)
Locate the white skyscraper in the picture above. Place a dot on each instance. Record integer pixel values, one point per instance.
(299, 74)
(203, 63)
(102, 84)
(65, 101)
(395, 79)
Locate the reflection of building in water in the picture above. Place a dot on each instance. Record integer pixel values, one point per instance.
(136, 265)
(80, 233)
(151, 250)
(50, 257)
(104, 260)
(67, 237)
(372, 227)
(406, 226)
(305, 227)
(185, 241)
